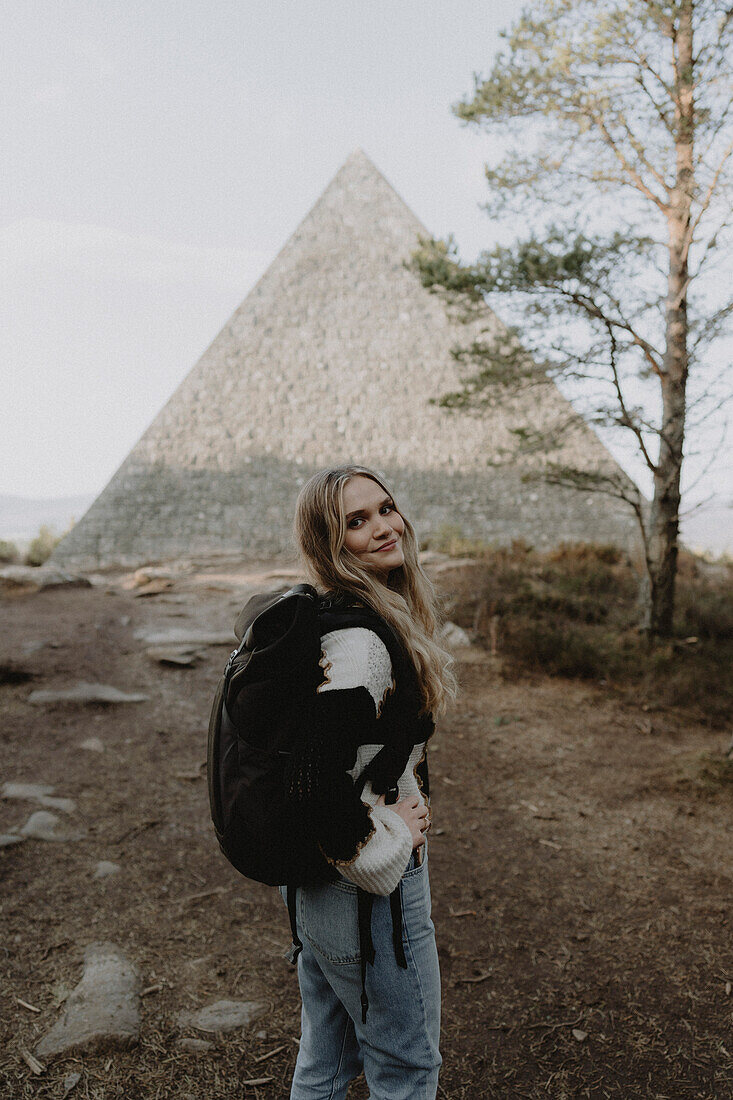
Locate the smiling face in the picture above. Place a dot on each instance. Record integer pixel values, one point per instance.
(374, 527)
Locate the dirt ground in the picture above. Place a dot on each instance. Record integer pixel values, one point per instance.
(580, 862)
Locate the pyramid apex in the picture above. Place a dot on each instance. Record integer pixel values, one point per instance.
(358, 156)
(359, 187)
(358, 164)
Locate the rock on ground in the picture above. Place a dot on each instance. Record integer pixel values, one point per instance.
(104, 1008)
(149, 573)
(34, 578)
(196, 1046)
(454, 635)
(33, 791)
(38, 792)
(43, 825)
(222, 1015)
(92, 744)
(70, 1081)
(105, 868)
(83, 693)
(154, 588)
(185, 656)
(450, 565)
(7, 840)
(188, 639)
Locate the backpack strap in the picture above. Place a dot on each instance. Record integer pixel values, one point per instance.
(335, 612)
(297, 945)
(262, 601)
(364, 904)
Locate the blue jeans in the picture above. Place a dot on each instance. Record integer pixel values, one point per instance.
(398, 1046)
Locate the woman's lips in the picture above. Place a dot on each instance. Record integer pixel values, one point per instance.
(387, 546)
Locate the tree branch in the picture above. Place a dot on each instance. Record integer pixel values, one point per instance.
(627, 420)
(709, 329)
(629, 168)
(706, 201)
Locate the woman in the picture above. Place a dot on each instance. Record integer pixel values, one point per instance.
(368, 971)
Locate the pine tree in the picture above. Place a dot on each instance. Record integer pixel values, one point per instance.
(617, 163)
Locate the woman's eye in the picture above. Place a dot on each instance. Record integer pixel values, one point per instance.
(353, 523)
(387, 508)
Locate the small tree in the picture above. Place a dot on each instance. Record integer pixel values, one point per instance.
(618, 110)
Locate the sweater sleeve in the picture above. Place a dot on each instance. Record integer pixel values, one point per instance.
(380, 862)
(369, 844)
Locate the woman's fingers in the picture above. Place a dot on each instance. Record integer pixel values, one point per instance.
(414, 812)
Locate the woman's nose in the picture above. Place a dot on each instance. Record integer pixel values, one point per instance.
(382, 526)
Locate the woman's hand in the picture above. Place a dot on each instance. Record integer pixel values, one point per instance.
(414, 813)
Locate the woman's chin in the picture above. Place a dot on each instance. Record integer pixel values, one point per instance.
(393, 560)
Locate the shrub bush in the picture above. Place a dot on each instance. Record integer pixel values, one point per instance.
(41, 547)
(558, 650)
(575, 552)
(573, 611)
(9, 553)
(697, 679)
(706, 613)
(451, 540)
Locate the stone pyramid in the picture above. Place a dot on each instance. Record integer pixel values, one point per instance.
(332, 357)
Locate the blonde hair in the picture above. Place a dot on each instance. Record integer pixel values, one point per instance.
(408, 600)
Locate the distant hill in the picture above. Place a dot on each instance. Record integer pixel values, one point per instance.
(20, 517)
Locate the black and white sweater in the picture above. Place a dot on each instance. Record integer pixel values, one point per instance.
(366, 701)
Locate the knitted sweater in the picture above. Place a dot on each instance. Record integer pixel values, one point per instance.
(360, 710)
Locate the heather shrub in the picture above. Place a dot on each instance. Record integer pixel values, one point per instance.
(706, 613)
(573, 611)
(556, 649)
(573, 553)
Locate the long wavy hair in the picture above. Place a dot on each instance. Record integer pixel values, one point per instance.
(407, 601)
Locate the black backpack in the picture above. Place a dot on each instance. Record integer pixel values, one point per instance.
(259, 710)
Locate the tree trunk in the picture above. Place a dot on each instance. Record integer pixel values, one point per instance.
(664, 516)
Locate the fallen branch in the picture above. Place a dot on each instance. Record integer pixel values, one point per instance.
(553, 1027)
(550, 1027)
(204, 894)
(271, 1054)
(52, 947)
(33, 1064)
(141, 827)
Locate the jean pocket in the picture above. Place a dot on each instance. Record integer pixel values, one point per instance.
(328, 919)
(416, 905)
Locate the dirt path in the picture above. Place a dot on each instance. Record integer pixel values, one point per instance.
(580, 867)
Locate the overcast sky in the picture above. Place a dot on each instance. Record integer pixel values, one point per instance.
(158, 154)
